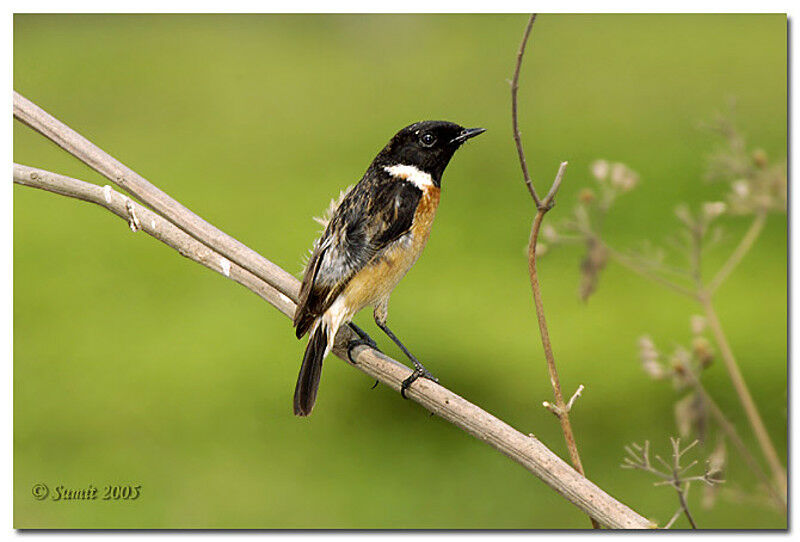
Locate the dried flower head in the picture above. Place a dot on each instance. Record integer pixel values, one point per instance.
(623, 178)
(592, 264)
(757, 186)
(680, 362)
(760, 158)
(715, 470)
(549, 233)
(541, 248)
(703, 351)
(650, 358)
(600, 169)
(713, 209)
(741, 188)
(691, 417)
(683, 214)
(697, 323)
(586, 195)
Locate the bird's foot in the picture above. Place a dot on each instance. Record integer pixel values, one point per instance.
(419, 372)
(363, 340)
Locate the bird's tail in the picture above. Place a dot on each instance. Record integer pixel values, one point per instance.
(305, 393)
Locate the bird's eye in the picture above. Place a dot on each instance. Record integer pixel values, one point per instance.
(427, 139)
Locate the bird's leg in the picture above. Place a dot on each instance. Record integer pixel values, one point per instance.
(363, 339)
(419, 369)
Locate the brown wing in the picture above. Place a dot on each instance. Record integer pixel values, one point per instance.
(378, 211)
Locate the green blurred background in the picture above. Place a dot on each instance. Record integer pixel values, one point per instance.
(133, 364)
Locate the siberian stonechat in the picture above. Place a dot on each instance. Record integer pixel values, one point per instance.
(372, 238)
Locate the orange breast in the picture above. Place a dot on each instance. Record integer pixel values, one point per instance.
(377, 280)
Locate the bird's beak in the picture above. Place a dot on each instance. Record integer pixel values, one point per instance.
(467, 133)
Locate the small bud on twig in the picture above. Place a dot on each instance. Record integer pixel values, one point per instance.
(552, 408)
(574, 397)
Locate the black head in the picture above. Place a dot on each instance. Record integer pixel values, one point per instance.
(428, 145)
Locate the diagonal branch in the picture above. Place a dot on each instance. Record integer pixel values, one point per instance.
(118, 173)
(733, 436)
(525, 450)
(155, 225)
(739, 253)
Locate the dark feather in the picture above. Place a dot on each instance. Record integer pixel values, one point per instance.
(376, 212)
(305, 392)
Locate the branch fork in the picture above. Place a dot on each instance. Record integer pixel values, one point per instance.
(557, 411)
(560, 408)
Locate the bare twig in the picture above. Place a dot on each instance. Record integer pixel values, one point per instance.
(743, 392)
(525, 450)
(684, 505)
(560, 407)
(733, 435)
(155, 225)
(673, 474)
(62, 135)
(633, 265)
(704, 297)
(739, 252)
(681, 487)
(574, 397)
(674, 518)
(703, 294)
(514, 117)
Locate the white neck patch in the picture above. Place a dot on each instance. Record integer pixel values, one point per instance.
(415, 176)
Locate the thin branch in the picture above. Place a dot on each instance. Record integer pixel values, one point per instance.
(743, 392)
(574, 397)
(703, 295)
(560, 407)
(684, 505)
(681, 486)
(62, 135)
(674, 518)
(696, 233)
(671, 475)
(634, 266)
(155, 225)
(733, 435)
(525, 450)
(514, 122)
(739, 252)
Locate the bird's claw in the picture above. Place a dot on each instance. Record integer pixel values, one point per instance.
(355, 343)
(419, 372)
(362, 340)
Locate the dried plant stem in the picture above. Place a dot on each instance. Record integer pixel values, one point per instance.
(632, 265)
(152, 224)
(542, 206)
(703, 295)
(672, 475)
(514, 118)
(672, 520)
(744, 246)
(733, 436)
(685, 506)
(561, 410)
(677, 483)
(280, 289)
(118, 173)
(743, 392)
(561, 407)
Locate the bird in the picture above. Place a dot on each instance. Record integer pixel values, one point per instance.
(373, 235)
